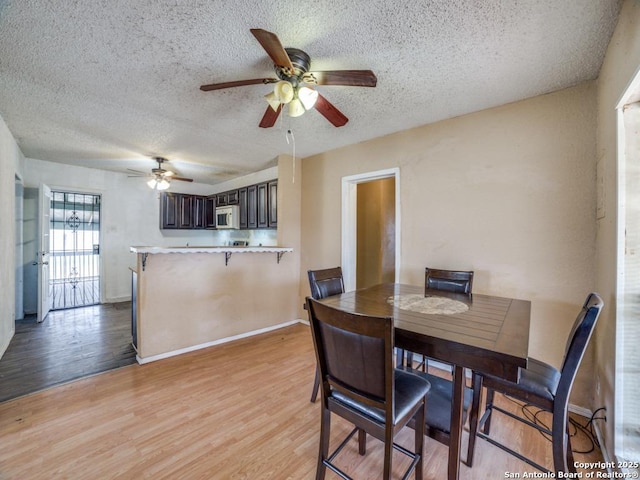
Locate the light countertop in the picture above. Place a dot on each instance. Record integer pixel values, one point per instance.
(195, 249)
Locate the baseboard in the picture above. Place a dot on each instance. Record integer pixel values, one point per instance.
(252, 333)
(126, 298)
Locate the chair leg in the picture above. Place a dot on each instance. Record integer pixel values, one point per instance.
(419, 439)
(474, 416)
(488, 404)
(560, 441)
(362, 442)
(399, 357)
(388, 452)
(325, 432)
(316, 386)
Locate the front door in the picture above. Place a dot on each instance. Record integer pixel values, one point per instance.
(75, 249)
(43, 255)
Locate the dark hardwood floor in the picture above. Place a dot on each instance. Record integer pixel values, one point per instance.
(68, 345)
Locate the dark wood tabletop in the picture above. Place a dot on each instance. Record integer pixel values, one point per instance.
(491, 336)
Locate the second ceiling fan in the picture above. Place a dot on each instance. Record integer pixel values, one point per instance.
(294, 82)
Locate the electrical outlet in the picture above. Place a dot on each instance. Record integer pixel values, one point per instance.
(598, 385)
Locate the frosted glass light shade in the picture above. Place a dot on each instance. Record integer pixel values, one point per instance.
(161, 184)
(308, 97)
(283, 91)
(273, 100)
(295, 108)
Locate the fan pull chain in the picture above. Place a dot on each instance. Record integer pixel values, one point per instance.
(293, 142)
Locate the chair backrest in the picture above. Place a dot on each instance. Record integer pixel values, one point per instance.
(327, 282)
(458, 281)
(354, 354)
(577, 343)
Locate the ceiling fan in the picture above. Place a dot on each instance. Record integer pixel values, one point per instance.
(160, 177)
(294, 82)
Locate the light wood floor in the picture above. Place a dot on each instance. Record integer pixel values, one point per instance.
(234, 411)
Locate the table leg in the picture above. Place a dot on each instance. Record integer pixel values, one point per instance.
(455, 440)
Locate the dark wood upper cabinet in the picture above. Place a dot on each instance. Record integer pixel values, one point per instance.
(258, 207)
(263, 205)
(185, 211)
(199, 211)
(252, 207)
(222, 199)
(210, 212)
(169, 211)
(272, 206)
(233, 197)
(242, 201)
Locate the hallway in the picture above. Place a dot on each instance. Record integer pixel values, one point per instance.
(68, 345)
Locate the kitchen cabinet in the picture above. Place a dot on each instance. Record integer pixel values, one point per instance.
(242, 201)
(252, 207)
(272, 206)
(258, 207)
(181, 211)
(210, 211)
(198, 213)
(263, 205)
(227, 198)
(169, 211)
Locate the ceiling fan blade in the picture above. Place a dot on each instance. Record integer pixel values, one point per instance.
(352, 78)
(331, 113)
(182, 179)
(270, 116)
(237, 83)
(271, 43)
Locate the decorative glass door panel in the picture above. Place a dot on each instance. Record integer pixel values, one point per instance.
(75, 249)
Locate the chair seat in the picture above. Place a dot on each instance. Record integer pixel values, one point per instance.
(439, 400)
(408, 390)
(538, 379)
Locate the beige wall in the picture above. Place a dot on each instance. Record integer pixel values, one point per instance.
(621, 63)
(507, 192)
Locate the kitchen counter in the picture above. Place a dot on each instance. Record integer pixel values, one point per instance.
(186, 298)
(195, 249)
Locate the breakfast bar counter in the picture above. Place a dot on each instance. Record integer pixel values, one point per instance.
(186, 298)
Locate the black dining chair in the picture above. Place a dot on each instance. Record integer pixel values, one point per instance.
(438, 418)
(543, 386)
(455, 281)
(324, 283)
(361, 384)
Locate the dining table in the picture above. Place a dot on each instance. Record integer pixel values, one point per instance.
(484, 333)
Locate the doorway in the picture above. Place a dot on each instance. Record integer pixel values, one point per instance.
(380, 258)
(75, 249)
(376, 232)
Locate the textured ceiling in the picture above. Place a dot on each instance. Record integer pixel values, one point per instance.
(107, 84)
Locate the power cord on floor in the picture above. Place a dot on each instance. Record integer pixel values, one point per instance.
(532, 413)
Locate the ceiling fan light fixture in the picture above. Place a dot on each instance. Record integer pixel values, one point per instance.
(283, 91)
(296, 108)
(308, 97)
(158, 183)
(273, 101)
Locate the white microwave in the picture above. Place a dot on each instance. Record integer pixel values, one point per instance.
(228, 217)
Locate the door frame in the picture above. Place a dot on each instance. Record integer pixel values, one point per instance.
(349, 224)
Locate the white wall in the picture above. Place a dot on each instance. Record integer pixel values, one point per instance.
(10, 167)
